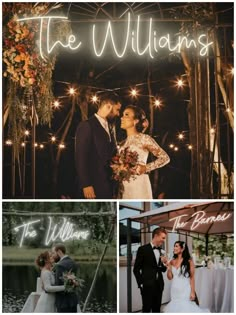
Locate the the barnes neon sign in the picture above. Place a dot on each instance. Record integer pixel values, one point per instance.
(199, 218)
(132, 39)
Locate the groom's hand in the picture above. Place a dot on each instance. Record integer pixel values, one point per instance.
(89, 192)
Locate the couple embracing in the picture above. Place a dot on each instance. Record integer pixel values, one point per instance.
(96, 146)
(149, 265)
(54, 297)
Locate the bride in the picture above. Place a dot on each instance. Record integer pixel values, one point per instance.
(181, 271)
(46, 302)
(133, 121)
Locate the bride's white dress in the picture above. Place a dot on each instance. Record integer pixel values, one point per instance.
(46, 302)
(180, 295)
(143, 144)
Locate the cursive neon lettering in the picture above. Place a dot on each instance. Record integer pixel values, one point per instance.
(132, 39)
(27, 232)
(199, 218)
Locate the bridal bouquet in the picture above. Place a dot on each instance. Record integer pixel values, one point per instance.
(123, 166)
(71, 282)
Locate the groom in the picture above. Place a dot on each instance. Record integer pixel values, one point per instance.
(148, 268)
(65, 302)
(95, 144)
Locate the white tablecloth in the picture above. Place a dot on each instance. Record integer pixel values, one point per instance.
(215, 289)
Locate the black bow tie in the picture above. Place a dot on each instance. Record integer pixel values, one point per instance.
(156, 247)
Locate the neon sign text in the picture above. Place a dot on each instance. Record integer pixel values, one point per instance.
(132, 39)
(63, 232)
(200, 218)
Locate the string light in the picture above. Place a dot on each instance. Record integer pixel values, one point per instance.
(94, 99)
(8, 142)
(232, 70)
(181, 136)
(134, 93)
(41, 146)
(190, 147)
(228, 110)
(61, 146)
(212, 131)
(53, 138)
(157, 102)
(23, 144)
(179, 83)
(36, 144)
(72, 91)
(56, 104)
(171, 146)
(27, 132)
(176, 148)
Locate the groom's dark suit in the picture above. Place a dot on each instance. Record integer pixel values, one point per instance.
(148, 274)
(65, 302)
(93, 153)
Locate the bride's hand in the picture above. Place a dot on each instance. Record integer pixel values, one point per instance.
(140, 169)
(192, 296)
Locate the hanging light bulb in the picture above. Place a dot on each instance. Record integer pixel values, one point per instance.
(176, 148)
(157, 102)
(36, 144)
(23, 144)
(72, 91)
(8, 142)
(56, 104)
(134, 93)
(190, 147)
(53, 138)
(61, 146)
(171, 146)
(41, 146)
(94, 99)
(180, 136)
(27, 132)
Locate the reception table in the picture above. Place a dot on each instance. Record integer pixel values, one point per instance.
(215, 289)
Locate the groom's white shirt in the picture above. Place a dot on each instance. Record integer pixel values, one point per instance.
(156, 253)
(104, 123)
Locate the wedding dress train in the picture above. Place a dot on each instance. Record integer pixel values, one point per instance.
(180, 295)
(143, 144)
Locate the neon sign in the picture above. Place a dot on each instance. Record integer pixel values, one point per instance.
(200, 218)
(63, 232)
(132, 39)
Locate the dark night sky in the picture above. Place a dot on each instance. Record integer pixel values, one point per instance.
(171, 119)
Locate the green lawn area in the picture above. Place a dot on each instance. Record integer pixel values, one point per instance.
(12, 254)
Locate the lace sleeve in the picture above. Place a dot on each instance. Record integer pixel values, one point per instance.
(156, 150)
(47, 285)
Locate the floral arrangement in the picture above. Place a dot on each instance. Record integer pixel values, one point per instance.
(29, 77)
(71, 282)
(123, 165)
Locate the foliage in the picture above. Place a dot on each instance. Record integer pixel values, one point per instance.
(98, 225)
(222, 245)
(29, 76)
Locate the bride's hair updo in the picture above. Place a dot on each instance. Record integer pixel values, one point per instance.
(140, 115)
(42, 259)
(185, 265)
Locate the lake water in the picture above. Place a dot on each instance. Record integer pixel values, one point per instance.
(20, 281)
